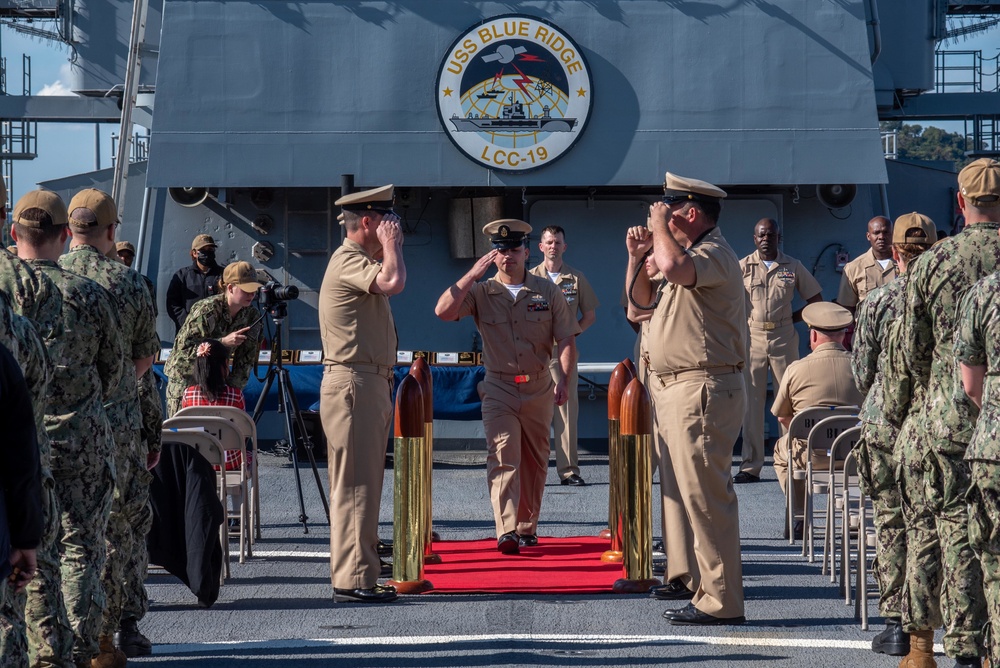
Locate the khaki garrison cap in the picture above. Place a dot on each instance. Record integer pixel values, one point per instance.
(203, 241)
(507, 232)
(12, 250)
(377, 199)
(979, 183)
(242, 275)
(827, 316)
(125, 246)
(905, 224)
(47, 201)
(678, 188)
(99, 209)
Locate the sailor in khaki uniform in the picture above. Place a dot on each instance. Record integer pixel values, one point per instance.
(519, 315)
(870, 270)
(583, 302)
(821, 378)
(696, 346)
(771, 279)
(359, 351)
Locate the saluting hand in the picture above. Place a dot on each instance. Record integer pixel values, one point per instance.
(234, 339)
(389, 231)
(658, 214)
(638, 240)
(482, 265)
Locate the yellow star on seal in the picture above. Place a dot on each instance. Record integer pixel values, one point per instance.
(447, 92)
(581, 93)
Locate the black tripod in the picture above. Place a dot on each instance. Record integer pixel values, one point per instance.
(288, 405)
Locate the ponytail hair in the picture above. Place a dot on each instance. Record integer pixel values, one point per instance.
(211, 368)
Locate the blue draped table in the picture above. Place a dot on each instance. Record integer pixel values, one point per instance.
(455, 395)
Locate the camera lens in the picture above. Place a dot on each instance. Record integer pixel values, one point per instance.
(286, 293)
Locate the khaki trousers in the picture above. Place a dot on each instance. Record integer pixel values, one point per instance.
(698, 416)
(564, 419)
(516, 419)
(356, 411)
(773, 350)
(781, 469)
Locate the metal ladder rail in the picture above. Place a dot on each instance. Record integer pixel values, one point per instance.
(133, 69)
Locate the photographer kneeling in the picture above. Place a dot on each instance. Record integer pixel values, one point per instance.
(228, 317)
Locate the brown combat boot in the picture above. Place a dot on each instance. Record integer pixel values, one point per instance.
(921, 651)
(109, 655)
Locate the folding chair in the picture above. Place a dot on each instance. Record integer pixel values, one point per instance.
(818, 480)
(843, 488)
(248, 428)
(231, 439)
(866, 540)
(798, 430)
(209, 447)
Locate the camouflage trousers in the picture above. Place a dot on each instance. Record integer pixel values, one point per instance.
(21, 645)
(944, 581)
(984, 536)
(175, 396)
(131, 517)
(877, 471)
(84, 495)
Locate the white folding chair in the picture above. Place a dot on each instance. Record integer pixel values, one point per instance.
(238, 480)
(209, 447)
(818, 481)
(798, 430)
(244, 422)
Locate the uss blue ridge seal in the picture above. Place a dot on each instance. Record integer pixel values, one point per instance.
(514, 93)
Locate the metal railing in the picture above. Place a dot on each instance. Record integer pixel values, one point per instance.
(889, 144)
(966, 72)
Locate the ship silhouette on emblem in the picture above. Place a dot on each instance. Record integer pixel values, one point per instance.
(512, 117)
(491, 94)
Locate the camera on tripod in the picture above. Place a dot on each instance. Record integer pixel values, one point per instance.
(273, 292)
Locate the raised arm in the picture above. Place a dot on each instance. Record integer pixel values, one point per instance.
(450, 302)
(392, 278)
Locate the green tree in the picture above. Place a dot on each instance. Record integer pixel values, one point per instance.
(914, 142)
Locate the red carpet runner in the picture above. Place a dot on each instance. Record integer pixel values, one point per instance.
(554, 566)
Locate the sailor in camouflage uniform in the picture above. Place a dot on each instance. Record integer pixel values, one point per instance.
(912, 235)
(943, 575)
(92, 221)
(228, 317)
(87, 360)
(977, 348)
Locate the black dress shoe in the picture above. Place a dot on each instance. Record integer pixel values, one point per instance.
(383, 548)
(574, 480)
(692, 616)
(386, 569)
(527, 540)
(674, 590)
(893, 640)
(377, 594)
(745, 477)
(508, 543)
(799, 527)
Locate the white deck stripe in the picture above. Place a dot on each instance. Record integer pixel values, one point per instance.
(375, 641)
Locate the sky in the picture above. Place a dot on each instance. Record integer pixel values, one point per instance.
(69, 148)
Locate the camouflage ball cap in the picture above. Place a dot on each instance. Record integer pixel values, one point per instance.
(507, 233)
(827, 316)
(46, 201)
(203, 241)
(242, 275)
(92, 208)
(905, 225)
(979, 183)
(125, 246)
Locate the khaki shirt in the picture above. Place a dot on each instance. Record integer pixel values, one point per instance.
(822, 378)
(861, 276)
(703, 326)
(575, 288)
(355, 324)
(518, 334)
(771, 291)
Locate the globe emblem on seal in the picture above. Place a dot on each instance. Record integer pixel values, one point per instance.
(514, 93)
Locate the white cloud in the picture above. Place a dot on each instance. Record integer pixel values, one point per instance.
(55, 88)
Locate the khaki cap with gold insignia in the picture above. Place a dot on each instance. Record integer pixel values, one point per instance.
(92, 208)
(242, 275)
(902, 231)
(47, 201)
(203, 241)
(678, 188)
(507, 232)
(376, 199)
(979, 183)
(827, 316)
(125, 246)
